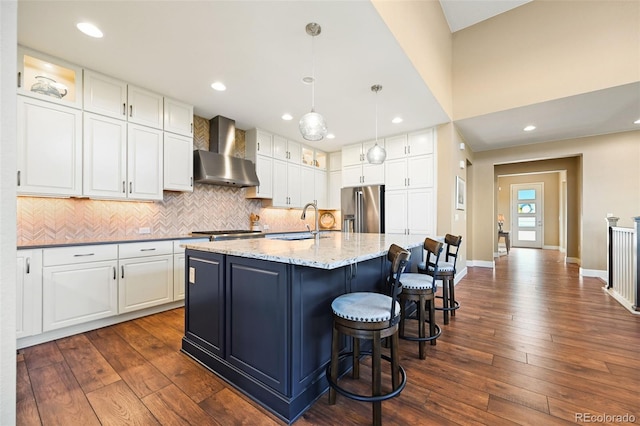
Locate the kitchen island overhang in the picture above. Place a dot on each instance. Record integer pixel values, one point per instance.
(258, 312)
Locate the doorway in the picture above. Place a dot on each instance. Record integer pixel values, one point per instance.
(527, 215)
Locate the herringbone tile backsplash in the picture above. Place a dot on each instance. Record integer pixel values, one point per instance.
(208, 207)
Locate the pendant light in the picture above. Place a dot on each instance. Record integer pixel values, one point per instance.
(376, 154)
(312, 124)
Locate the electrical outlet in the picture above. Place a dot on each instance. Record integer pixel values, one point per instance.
(145, 230)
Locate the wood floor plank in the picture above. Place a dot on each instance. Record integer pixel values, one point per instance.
(174, 407)
(60, 398)
(461, 413)
(189, 376)
(116, 404)
(141, 376)
(42, 355)
(599, 394)
(89, 367)
(227, 404)
(522, 415)
(26, 407)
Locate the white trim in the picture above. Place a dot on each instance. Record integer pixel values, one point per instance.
(572, 260)
(550, 247)
(481, 263)
(624, 302)
(594, 273)
(460, 275)
(93, 325)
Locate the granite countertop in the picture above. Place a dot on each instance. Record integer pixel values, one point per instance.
(332, 250)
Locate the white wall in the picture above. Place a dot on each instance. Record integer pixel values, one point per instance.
(8, 43)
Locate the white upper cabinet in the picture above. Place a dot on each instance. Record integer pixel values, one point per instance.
(258, 142)
(105, 95)
(125, 161)
(178, 117)
(145, 107)
(264, 170)
(178, 162)
(49, 148)
(109, 96)
(48, 78)
(411, 145)
(356, 170)
(105, 157)
(314, 158)
(287, 150)
(144, 163)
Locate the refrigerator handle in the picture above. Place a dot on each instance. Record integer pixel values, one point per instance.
(359, 213)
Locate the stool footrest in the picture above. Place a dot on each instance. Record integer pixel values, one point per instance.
(366, 398)
(455, 306)
(423, 339)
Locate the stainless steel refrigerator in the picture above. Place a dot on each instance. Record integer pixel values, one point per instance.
(363, 209)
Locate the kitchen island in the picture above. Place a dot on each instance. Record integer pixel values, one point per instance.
(258, 311)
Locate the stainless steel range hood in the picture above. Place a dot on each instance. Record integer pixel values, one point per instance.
(218, 166)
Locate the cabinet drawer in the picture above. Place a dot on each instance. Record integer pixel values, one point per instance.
(79, 254)
(150, 248)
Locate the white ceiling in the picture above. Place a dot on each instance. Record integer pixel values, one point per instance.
(261, 51)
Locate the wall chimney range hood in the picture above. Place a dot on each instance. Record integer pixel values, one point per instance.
(218, 166)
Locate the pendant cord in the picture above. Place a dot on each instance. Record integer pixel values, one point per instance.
(313, 76)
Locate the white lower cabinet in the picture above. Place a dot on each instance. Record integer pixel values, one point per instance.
(79, 284)
(29, 293)
(145, 275)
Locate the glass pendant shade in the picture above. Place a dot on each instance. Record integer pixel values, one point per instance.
(376, 154)
(313, 126)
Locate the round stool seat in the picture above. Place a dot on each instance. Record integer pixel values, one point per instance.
(364, 307)
(412, 281)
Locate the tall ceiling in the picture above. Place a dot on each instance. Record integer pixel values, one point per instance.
(261, 51)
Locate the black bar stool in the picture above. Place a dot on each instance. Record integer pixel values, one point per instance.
(447, 273)
(420, 288)
(372, 316)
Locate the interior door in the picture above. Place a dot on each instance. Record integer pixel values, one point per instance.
(527, 215)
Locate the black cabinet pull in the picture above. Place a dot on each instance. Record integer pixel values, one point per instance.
(28, 264)
(114, 273)
(122, 270)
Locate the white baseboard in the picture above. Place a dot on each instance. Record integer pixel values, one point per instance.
(93, 325)
(575, 260)
(603, 275)
(481, 263)
(550, 247)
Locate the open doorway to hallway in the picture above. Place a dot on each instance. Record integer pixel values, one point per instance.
(534, 209)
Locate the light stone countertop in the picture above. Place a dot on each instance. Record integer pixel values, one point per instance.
(333, 250)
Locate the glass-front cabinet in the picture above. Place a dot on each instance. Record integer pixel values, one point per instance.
(313, 157)
(47, 78)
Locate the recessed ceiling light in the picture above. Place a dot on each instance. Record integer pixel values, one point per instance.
(396, 120)
(637, 121)
(330, 136)
(287, 117)
(219, 86)
(529, 128)
(89, 29)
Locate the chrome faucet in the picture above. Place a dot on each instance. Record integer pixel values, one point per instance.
(304, 216)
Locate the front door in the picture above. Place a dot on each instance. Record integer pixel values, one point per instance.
(527, 215)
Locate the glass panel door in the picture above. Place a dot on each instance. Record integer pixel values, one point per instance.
(526, 215)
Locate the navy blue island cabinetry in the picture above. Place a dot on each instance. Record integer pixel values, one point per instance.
(264, 325)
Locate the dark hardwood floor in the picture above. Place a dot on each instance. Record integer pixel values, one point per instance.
(533, 343)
